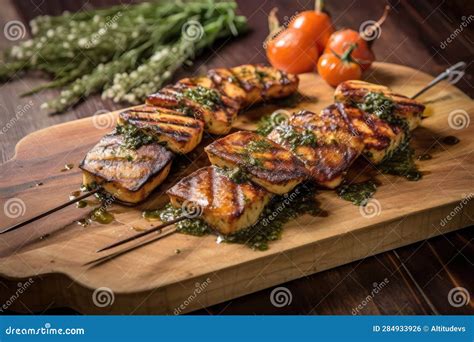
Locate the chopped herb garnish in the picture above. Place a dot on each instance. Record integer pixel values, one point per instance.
(295, 137)
(133, 137)
(193, 226)
(269, 227)
(265, 125)
(401, 163)
(207, 97)
(357, 193)
(382, 106)
(238, 174)
(377, 103)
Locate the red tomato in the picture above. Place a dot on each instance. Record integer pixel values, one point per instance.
(340, 42)
(335, 69)
(293, 51)
(316, 24)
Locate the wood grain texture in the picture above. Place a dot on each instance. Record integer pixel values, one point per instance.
(153, 279)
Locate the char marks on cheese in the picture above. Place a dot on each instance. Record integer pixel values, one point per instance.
(267, 163)
(226, 205)
(130, 175)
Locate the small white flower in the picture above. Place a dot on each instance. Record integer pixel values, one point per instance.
(135, 34)
(63, 101)
(82, 42)
(28, 43)
(71, 37)
(44, 105)
(96, 19)
(50, 33)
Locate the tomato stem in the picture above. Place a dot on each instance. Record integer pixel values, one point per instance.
(273, 22)
(319, 5)
(346, 55)
(377, 26)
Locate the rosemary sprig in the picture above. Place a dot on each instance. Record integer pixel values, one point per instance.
(93, 51)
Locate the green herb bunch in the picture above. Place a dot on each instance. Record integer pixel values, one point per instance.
(126, 52)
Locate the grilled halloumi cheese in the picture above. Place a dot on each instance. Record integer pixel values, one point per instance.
(262, 82)
(333, 147)
(205, 104)
(265, 162)
(129, 175)
(380, 138)
(228, 84)
(181, 134)
(405, 108)
(226, 205)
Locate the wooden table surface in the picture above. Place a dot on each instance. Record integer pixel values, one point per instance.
(418, 278)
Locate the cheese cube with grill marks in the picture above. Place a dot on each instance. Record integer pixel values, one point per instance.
(226, 205)
(228, 84)
(380, 138)
(130, 175)
(262, 82)
(180, 133)
(205, 104)
(405, 108)
(267, 164)
(329, 147)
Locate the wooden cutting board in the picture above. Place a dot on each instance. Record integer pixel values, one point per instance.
(49, 254)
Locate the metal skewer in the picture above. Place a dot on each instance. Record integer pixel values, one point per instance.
(146, 232)
(103, 259)
(453, 72)
(50, 211)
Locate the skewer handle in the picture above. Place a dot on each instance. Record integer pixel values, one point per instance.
(453, 72)
(46, 213)
(146, 232)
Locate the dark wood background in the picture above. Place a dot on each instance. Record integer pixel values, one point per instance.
(420, 275)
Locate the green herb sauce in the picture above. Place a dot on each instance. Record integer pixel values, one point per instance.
(357, 193)
(101, 215)
(269, 227)
(377, 103)
(133, 137)
(296, 138)
(382, 106)
(401, 163)
(209, 98)
(265, 126)
(194, 226)
(238, 174)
